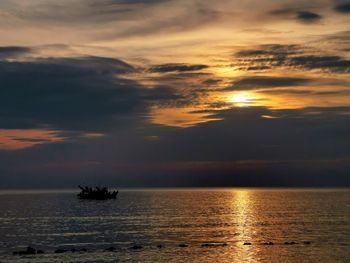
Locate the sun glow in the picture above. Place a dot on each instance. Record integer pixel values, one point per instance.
(242, 99)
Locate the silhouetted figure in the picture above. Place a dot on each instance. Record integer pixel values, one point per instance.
(97, 193)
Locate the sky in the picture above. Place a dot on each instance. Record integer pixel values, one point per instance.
(174, 93)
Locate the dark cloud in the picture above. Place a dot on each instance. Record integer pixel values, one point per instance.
(303, 92)
(265, 57)
(81, 12)
(211, 81)
(177, 67)
(86, 93)
(343, 7)
(308, 17)
(300, 147)
(330, 63)
(294, 56)
(264, 82)
(287, 91)
(276, 50)
(13, 51)
(295, 13)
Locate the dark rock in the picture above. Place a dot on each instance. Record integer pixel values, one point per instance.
(40, 252)
(159, 246)
(73, 250)
(290, 243)
(136, 247)
(268, 243)
(58, 251)
(214, 244)
(83, 250)
(29, 251)
(247, 243)
(306, 242)
(110, 249)
(183, 245)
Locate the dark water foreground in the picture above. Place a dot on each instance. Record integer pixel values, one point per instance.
(190, 225)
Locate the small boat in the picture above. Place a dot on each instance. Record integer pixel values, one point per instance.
(96, 193)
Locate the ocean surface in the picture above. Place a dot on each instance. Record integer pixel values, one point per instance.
(224, 219)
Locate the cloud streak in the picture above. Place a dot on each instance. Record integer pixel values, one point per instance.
(263, 82)
(268, 57)
(177, 68)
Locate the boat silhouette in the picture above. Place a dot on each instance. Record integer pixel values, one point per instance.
(96, 193)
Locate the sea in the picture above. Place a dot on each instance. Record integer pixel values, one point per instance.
(178, 225)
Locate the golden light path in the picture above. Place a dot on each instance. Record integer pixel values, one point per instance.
(243, 217)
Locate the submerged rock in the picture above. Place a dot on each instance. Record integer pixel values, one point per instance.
(40, 252)
(159, 246)
(306, 242)
(247, 243)
(183, 245)
(214, 245)
(29, 251)
(59, 251)
(290, 243)
(136, 247)
(268, 243)
(110, 249)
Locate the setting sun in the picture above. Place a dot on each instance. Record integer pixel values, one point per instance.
(242, 99)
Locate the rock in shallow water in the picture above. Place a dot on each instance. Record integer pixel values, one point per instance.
(110, 249)
(59, 251)
(214, 245)
(136, 247)
(290, 243)
(29, 251)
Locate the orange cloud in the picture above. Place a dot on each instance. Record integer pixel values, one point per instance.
(12, 139)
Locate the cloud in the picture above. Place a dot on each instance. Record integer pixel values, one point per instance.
(343, 7)
(308, 17)
(287, 91)
(87, 93)
(300, 147)
(295, 13)
(177, 67)
(330, 63)
(13, 51)
(77, 12)
(264, 82)
(267, 57)
(303, 92)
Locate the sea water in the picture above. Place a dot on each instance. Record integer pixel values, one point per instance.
(316, 220)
